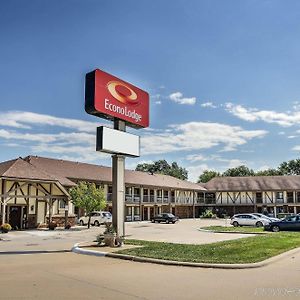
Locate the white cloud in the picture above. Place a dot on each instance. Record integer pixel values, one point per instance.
(25, 120)
(196, 136)
(195, 171)
(208, 104)
(158, 102)
(178, 98)
(268, 116)
(296, 148)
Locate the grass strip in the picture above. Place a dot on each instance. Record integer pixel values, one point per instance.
(245, 250)
(234, 229)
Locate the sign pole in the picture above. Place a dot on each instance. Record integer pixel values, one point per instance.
(118, 187)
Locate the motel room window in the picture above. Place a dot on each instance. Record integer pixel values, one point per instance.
(259, 198)
(128, 190)
(279, 195)
(290, 197)
(62, 204)
(136, 191)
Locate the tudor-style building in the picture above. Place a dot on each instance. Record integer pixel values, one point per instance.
(34, 189)
(274, 194)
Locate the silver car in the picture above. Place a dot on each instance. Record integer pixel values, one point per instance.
(248, 220)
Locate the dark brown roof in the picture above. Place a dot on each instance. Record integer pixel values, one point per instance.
(21, 169)
(65, 171)
(253, 183)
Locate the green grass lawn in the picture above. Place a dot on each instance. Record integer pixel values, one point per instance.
(235, 229)
(245, 250)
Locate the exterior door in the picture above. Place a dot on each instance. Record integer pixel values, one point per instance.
(15, 217)
(145, 213)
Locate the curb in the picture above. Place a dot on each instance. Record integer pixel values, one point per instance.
(78, 250)
(231, 232)
(33, 252)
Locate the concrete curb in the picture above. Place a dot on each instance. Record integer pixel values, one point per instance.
(232, 232)
(77, 249)
(33, 252)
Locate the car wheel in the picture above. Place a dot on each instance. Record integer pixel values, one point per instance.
(96, 223)
(235, 224)
(81, 223)
(167, 221)
(259, 224)
(173, 222)
(275, 228)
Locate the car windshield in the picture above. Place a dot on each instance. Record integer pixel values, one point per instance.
(170, 215)
(107, 215)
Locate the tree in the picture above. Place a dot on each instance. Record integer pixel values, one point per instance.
(87, 196)
(292, 167)
(162, 167)
(207, 175)
(239, 171)
(268, 172)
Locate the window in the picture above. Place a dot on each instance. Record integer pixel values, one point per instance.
(109, 190)
(290, 197)
(258, 197)
(62, 204)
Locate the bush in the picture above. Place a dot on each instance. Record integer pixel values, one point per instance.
(208, 214)
(52, 225)
(5, 228)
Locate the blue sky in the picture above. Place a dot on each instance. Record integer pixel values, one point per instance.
(223, 77)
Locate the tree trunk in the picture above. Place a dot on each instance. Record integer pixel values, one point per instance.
(89, 222)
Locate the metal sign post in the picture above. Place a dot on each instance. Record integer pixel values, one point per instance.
(109, 97)
(118, 188)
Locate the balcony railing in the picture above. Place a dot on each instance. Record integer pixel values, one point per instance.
(199, 200)
(132, 198)
(166, 200)
(279, 201)
(159, 199)
(148, 198)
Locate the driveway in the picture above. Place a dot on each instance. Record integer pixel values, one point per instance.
(73, 276)
(186, 231)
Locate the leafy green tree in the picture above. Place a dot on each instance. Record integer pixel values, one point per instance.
(292, 167)
(239, 171)
(87, 196)
(207, 175)
(162, 167)
(269, 172)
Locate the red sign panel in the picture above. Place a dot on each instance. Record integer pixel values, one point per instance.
(109, 97)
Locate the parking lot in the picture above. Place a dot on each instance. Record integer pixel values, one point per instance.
(186, 231)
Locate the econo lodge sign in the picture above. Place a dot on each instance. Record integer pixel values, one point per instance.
(109, 97)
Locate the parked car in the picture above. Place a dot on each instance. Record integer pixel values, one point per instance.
(97, 218)
(266, 217)
(291, 223)
(165, 217)
(248, 220)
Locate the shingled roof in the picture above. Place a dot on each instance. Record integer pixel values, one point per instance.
(253, 183)
(21, 169)
(65, 171)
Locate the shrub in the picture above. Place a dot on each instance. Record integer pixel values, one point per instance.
(5, 228)
(52, 225)
(208, 214)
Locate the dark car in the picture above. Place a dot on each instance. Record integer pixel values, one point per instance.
(291, 223)
(165, 217)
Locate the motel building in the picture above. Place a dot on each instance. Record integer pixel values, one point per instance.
(34, 189)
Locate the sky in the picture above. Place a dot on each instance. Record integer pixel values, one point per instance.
(223, 78)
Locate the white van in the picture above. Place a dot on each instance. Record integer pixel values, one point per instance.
(97, 218)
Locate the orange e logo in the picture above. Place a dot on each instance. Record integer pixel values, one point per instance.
(122, 92)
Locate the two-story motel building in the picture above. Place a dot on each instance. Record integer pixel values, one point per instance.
(34, 189)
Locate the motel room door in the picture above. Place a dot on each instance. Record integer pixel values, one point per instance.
(15, 216)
